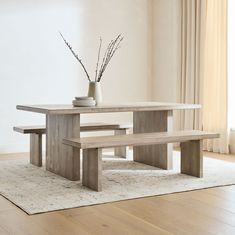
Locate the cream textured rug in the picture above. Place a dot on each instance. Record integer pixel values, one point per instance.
(36, 190)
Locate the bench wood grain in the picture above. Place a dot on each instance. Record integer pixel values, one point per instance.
(41, 129)
(37, 131)
(36, 149)
(191, 152)
(138, 139)
(92, 168)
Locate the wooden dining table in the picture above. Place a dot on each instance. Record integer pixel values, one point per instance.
(63, 121)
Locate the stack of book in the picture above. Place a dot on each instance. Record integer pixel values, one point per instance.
(84, 101)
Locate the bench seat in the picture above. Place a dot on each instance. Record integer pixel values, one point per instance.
(138, 139)
(191, 151)
(41, 129)
(36, 133)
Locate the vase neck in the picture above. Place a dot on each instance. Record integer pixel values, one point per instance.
(94, 82)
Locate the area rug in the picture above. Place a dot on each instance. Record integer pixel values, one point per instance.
(35, 190)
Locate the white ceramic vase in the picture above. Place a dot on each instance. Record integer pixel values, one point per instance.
(95, 91)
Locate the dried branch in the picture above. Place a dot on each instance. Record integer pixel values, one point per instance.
(98, 59)
(105, 55)
(113, 46)
(76, 56)
(114, 49)
(106, 58)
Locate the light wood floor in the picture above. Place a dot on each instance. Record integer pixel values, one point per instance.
(209, 211)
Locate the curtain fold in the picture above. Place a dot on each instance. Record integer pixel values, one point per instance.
(215, 101)
(203, 70)
(192, 58)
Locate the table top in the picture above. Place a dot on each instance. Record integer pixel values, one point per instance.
(106, 107)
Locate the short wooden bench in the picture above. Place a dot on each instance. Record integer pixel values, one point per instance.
(191, 151)
(36, 133)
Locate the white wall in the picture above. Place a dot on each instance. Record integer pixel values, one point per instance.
(166, 49)
(167, 52)
(36, 67)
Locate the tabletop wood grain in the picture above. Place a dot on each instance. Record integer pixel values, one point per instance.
(106, 107)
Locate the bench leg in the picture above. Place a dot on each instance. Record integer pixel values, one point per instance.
(36, 149)
(92, 169)
(121, 151)
(192, 158)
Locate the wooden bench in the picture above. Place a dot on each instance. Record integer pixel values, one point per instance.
(191, 151)
(36, 133)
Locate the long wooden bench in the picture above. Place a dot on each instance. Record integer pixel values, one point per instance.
(191, 151)
(36, 133)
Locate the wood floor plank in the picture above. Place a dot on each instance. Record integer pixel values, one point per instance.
(166, 219)
(193, 217)
(216, 213)
(6, 205)
(55, 223)
(18, 223)
(106, 219)
(176, 196)
(224, 157)
(75, 211)
(213, 200)
(15, 156)
(3, 232)
(222, 192)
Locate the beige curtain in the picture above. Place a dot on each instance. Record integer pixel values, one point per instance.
(192, 60)
(203, 71)
(215, 93)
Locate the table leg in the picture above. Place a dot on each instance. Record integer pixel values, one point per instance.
(153, 121)
(62, 159)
